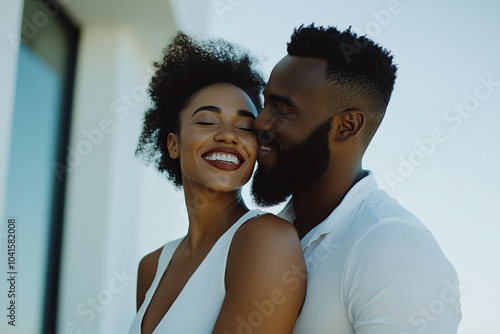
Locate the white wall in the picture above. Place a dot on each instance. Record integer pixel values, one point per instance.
(102, 218)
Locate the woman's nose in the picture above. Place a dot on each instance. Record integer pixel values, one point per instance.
(226, 134)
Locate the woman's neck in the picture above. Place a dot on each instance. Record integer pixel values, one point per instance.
(210, 214)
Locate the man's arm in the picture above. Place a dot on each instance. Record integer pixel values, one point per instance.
(397, 280)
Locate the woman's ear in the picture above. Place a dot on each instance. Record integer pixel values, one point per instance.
(350, 123)
(173, 145)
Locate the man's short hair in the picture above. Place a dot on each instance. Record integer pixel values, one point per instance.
(360, 74)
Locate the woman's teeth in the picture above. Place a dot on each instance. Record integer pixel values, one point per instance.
(223, 157)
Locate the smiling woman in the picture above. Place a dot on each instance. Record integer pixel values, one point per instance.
(231, 271)
(214, 140)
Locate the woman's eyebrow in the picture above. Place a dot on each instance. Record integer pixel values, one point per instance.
(209, 108)
(245, 113)
(217, 110)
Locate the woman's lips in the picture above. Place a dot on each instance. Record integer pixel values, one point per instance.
(224, 165)
(224, 158)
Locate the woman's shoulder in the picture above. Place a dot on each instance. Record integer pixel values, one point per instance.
(147, 270)
(146, 274)
(269, 225)
(265, 234)
(149, 263)
(263, 258)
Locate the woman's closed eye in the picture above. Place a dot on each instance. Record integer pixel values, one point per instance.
(245, 125)
(247, 129)
(244, 128)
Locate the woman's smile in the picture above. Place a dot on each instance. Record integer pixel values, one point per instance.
(224, 158)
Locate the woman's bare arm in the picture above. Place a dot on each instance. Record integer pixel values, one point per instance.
(146, 274)
(265, 279)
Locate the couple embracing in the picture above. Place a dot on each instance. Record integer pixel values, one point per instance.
(342, 257)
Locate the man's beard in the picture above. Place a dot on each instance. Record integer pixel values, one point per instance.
(296, 169)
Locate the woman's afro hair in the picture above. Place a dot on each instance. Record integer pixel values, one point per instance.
(187, 66)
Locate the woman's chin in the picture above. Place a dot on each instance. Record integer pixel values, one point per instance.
(221, 187)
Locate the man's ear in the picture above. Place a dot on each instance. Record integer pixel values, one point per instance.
(173, 145)
(350, 122)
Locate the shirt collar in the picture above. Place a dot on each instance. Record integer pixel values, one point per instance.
(351, 200)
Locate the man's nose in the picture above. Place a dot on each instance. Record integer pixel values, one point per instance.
(264, 120)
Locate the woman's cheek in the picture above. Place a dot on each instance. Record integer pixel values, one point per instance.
(252, 150)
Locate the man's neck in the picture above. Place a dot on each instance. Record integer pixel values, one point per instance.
(314, 204)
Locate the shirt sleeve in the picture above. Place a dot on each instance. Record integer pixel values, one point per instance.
(397, 280)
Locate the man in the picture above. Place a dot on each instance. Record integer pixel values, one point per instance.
(372, 266)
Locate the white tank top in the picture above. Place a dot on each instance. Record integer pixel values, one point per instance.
(197, 306)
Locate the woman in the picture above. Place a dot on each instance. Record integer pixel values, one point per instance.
(236, 271)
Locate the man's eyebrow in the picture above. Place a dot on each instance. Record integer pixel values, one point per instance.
(283, 99)
(217, 110)
(209, 108)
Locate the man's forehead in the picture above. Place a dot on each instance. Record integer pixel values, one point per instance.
(298, 71)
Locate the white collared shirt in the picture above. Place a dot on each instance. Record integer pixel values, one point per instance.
(374, 268)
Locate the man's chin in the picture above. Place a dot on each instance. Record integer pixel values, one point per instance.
(267, 188)
(291, 170)
(268, 200)
(266, 161)
(263, 170)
